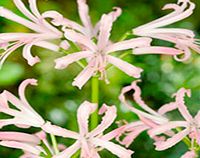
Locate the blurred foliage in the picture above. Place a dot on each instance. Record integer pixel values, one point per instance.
(57, 100)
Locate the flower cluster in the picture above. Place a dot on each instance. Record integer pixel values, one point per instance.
(92, 45)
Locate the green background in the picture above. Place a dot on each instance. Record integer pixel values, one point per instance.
(57, 100)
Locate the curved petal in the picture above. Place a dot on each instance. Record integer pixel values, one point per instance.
(63, 62)
(181, 104)
(167, 108)
(163, 145)
(114, 148)
(83, 114)
(189, 154)
(107, 120)
(125, 67)
(28, 56)
(22, 88)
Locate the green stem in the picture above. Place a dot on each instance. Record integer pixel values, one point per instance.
(54, 143)
(94, 99)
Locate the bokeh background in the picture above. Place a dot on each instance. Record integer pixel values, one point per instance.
(57, 100)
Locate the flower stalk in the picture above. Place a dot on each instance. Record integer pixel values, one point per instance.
(94, 99)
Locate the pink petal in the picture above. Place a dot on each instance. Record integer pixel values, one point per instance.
(163, 145)
(58, 131)
(167, 108)
(63, 62)
(47, 45)
(128, 44)
(107, 120)
(104, 31)
(83, 114)
(84, 15)
(28, 56)
(181, 104)
(167, 127)
(125, 67)
(22, 88)
(79, 38)
(115, 13)
(114, 148)
(20, 5)
(157, 50)
(84, 76)
(17, 136)
(70, 151)
(23, 146)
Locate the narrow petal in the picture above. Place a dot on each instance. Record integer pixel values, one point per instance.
(84, 76)
(157, 50)
(181, 104)
(128, 44)
(107, 120)
(83, 10)
(58, 131)
(167, 108)
(20, 5)
(70, 151)
(18, 136)
(28, 56)
(23, 146)
(125, 67)
(11, 16)
(47, 45)
(167, 127)
(104, 31)
(83, 114)
(63, 62)
(114, 148)
(79, 38)
(163, 145)
(22, 88)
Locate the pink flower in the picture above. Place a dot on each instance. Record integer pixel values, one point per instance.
(87, 29)
(23, 114)
(183, 39)
(149, 119)
(190, 127)
(99, 55)
(43, 32)
(90, 142)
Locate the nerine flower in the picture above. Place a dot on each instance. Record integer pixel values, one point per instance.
(98, 54)
(149, 119)
(42, 34)
(23, 114)
(190, 127)
(90, 142)
(183, 39)
(87, 27)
